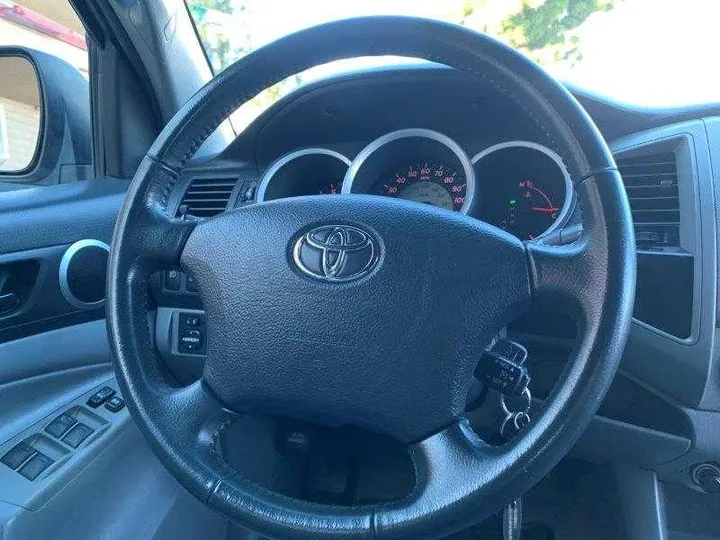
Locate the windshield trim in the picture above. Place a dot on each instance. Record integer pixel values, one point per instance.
(196, 31)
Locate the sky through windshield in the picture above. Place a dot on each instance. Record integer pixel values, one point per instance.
(646, 52)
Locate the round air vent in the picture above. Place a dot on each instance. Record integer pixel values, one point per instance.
(82, 273)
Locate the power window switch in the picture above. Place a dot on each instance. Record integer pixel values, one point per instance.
(17, 455)
(35, 466)
(100, 397)
(77, 435)
(115, 404)
(58, 427)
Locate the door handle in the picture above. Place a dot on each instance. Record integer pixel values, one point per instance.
(8, 302)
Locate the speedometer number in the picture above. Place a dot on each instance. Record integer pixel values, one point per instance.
(427, 182)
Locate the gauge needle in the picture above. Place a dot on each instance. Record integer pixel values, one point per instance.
(544, 209)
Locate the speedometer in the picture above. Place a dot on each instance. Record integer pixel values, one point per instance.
(428, 181)
(415, 164)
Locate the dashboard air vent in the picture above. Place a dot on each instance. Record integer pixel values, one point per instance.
(207, 196)
(651, 183)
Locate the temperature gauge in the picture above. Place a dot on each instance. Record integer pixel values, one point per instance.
(530, 210)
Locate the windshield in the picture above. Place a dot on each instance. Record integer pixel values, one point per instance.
(646, 52)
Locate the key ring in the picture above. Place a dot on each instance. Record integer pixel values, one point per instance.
(526, 409)
(515, 421)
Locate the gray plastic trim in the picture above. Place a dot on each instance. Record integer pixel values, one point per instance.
(678, 367)
(289, 158)
(410, 133)
(640, 496)
(66, 348)
(63, 277)
(608, 440)
(569, 191)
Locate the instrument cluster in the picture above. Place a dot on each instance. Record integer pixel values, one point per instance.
(519, 186)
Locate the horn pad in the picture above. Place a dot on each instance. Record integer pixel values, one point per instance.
(353, 309)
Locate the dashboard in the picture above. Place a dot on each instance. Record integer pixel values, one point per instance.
(519, 186)
(428, 135)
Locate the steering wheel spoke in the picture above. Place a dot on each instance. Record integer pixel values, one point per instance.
(561, 277)
(451, 467)
(575, 278)
(192, 418)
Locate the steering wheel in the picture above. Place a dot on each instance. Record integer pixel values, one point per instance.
(387, 339)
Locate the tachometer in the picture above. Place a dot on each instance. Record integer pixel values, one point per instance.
(427, 181)
(310, 171)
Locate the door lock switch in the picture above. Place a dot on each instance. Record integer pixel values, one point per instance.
(115, 404)
(100, 397)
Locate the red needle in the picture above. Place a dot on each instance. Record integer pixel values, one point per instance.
(543, 209)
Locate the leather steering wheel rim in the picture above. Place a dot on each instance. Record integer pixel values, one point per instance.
(459, 479)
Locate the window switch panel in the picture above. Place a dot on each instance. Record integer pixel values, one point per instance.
(115, 404)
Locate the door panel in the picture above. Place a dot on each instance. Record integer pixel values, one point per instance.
(37, 226)
(111, 485)
(123, 494)
(69, 469)
(53, 357)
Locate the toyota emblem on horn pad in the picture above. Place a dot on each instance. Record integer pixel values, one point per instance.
(336, 253)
